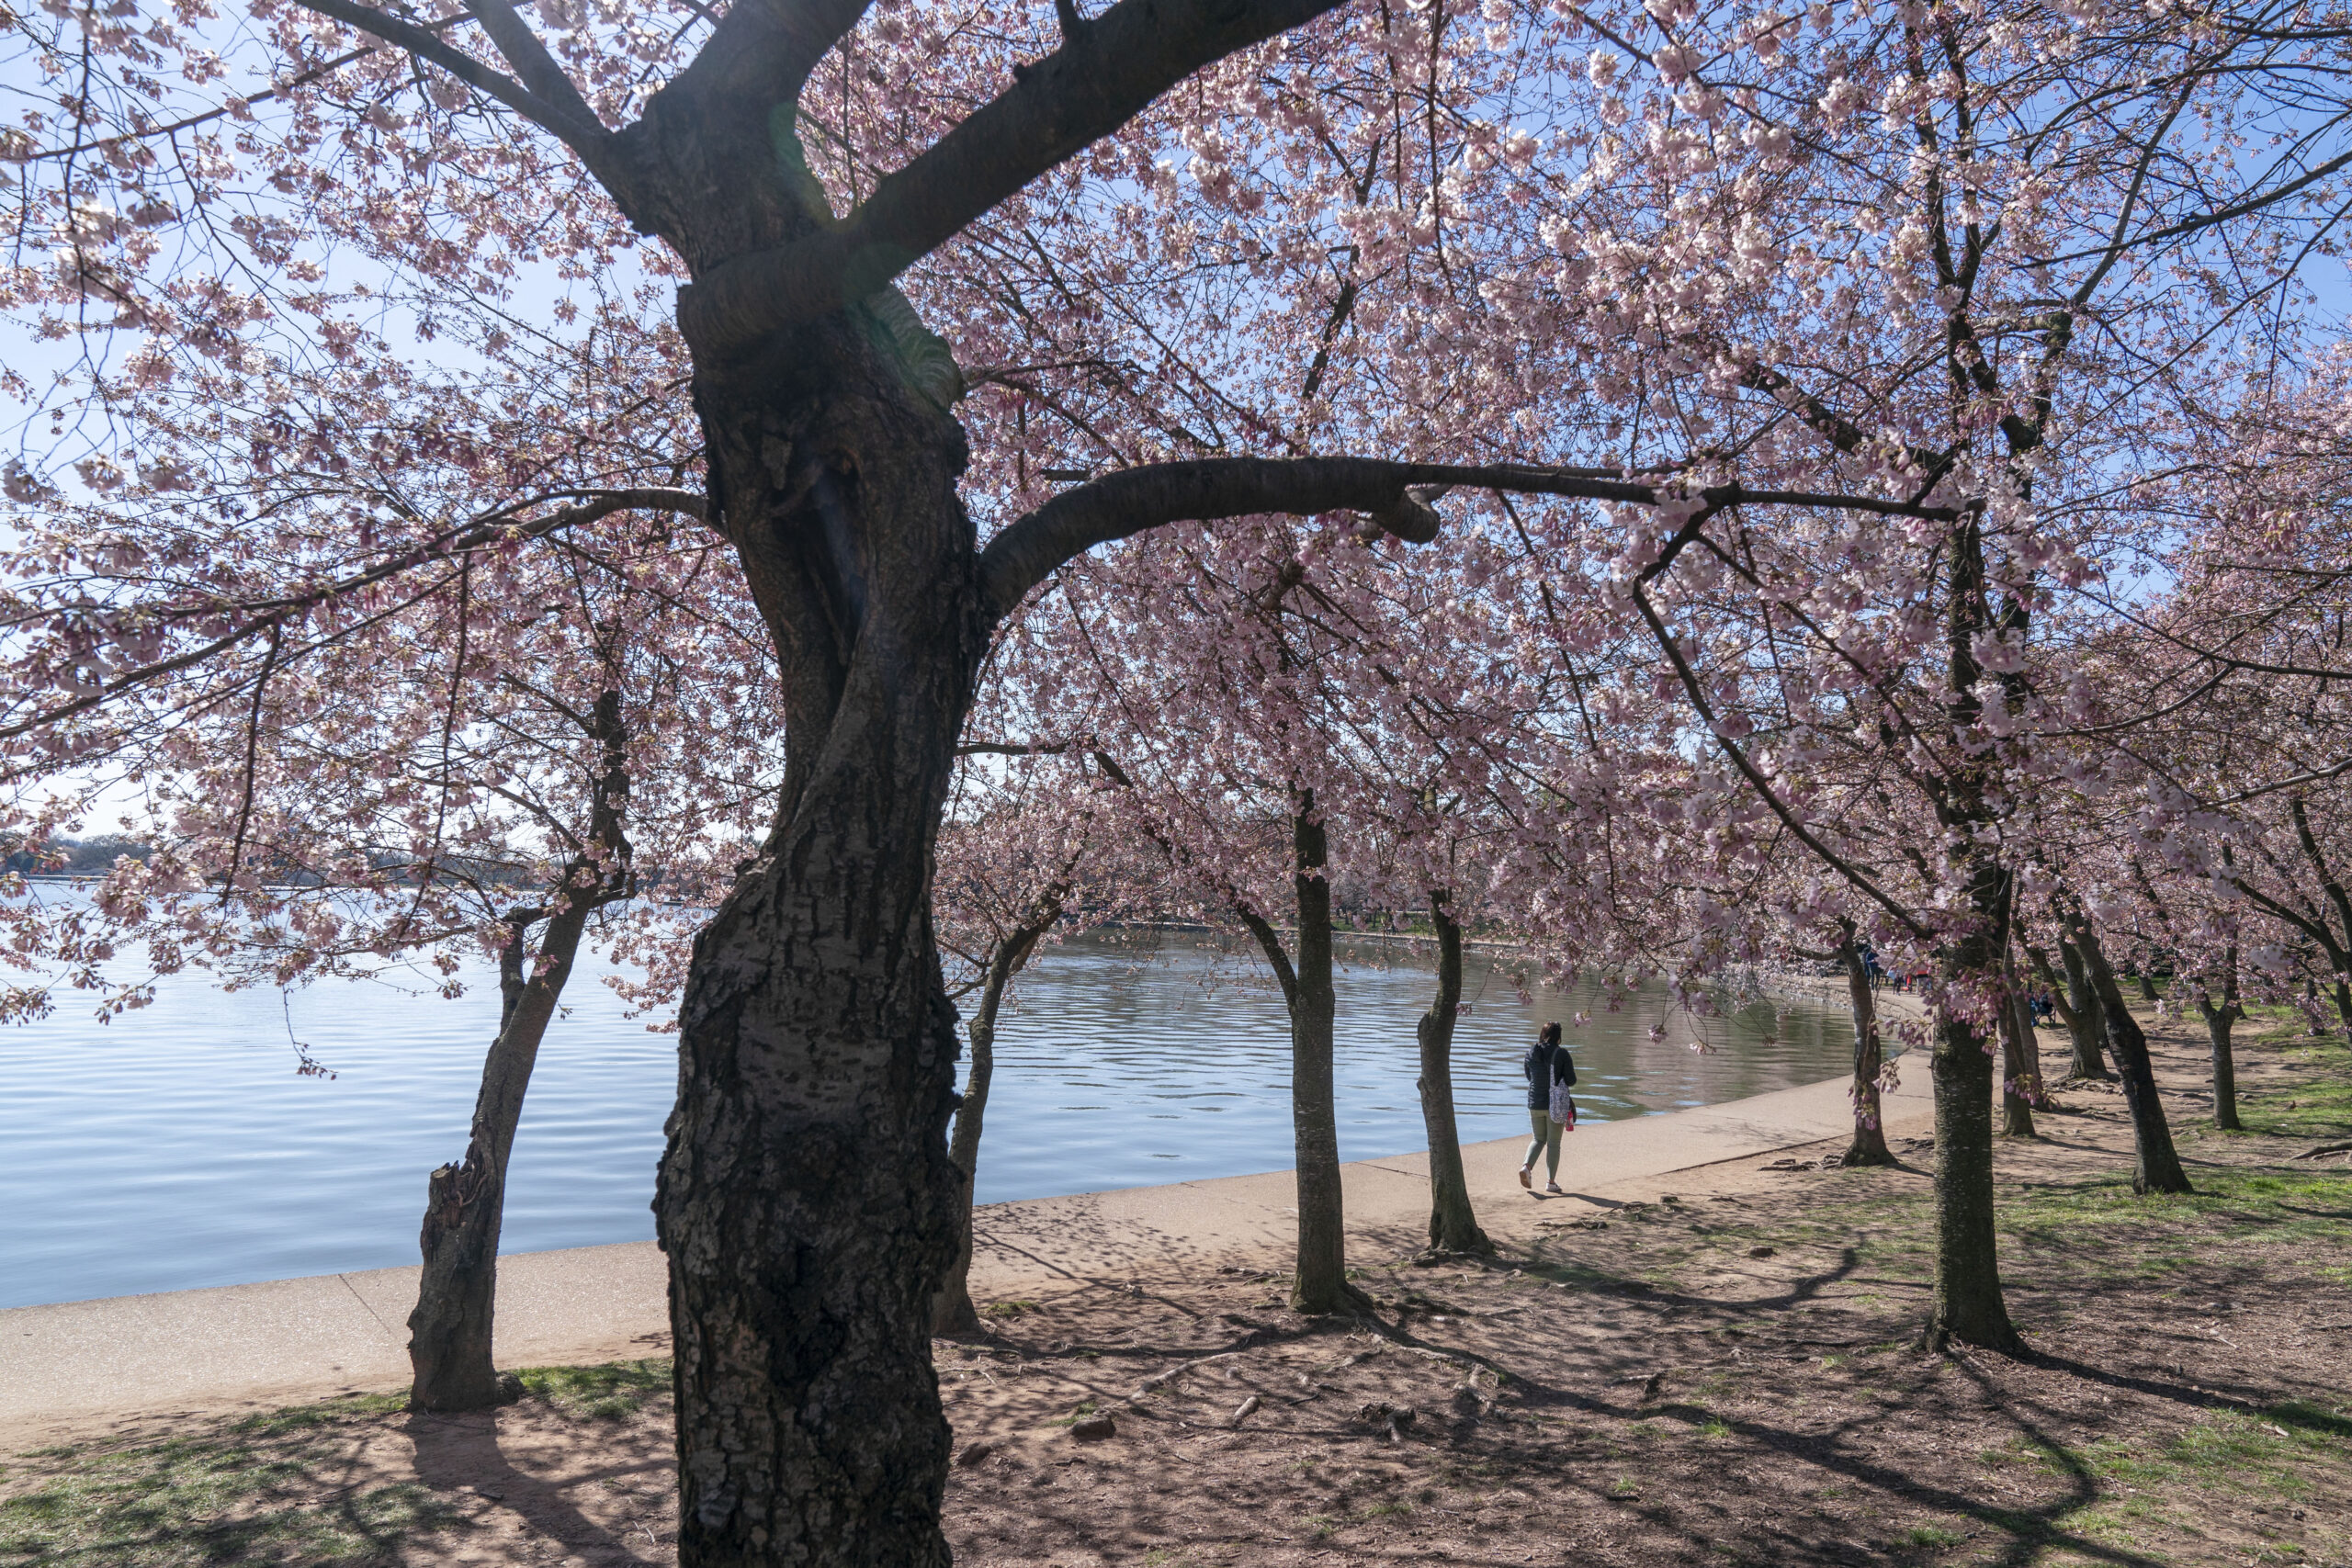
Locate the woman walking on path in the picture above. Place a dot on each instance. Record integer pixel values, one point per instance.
(1550, 1071)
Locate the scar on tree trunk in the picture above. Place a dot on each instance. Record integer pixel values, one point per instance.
(1869, 1147)
(2157, 1166)
(952, 1309)
(1454, 1226)
(1321, 1282)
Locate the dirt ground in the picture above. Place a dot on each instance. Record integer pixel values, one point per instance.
(1723, 1373)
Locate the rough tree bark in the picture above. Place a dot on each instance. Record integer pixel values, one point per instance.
(1869, 1146)
(1967, 1304)
(806, 1199)
(1454, 1226)
(952, 1309)
(2156, 1167)
(1320, 1285)
(450, 1329)
(2219, 1021)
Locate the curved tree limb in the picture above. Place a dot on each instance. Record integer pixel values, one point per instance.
(1126, 503)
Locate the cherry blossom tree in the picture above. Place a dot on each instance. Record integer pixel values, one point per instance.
(1856, 278)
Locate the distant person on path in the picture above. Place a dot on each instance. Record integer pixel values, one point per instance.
(1550, 1070)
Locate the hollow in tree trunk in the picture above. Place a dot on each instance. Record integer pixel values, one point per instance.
(1453, 1227)
(952, 1309)
(2156, 1167)
(2219, 1021)
(1869, 1146)
(1320, 1285)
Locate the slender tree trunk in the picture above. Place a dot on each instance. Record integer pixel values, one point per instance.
(2017, 1072)
(2339, 953)
(1322, 1282)
(2148, 992)
(1869, 1146)
(2157, 1168)
(952, 1308)
(1454, 1226)
(1967, 1304)
(2079, 1010)
(451, 1327)
(2218, 1021)
(805, 1200)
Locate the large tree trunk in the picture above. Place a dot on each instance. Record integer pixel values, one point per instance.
(1967, 1304)
(1869, 1147)
(450, 1329)
(2157, 1167)
(1320, 1285)
(952, 1309)
(805, 1200)
(2219, 1021)
(1454, 1226)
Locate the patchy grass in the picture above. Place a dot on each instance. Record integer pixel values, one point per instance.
(607, 1392)
(1006, 1311)
(262, 1489)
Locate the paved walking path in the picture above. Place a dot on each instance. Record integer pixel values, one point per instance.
(265, 1345)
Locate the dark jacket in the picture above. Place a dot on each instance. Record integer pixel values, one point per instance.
(1545, 1064)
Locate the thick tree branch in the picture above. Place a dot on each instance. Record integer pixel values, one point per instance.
(1098, 80)
(1132, 499)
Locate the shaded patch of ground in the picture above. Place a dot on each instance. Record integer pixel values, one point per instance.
(1721, 1374)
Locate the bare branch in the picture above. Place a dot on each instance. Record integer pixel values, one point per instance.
(584, 136)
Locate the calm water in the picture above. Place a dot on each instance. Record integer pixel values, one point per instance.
(177, 1146)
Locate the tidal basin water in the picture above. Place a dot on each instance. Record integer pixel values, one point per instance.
(177, 1146)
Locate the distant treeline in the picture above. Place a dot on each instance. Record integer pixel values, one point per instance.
(94, 856)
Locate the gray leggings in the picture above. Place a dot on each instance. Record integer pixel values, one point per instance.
(1546, 1142)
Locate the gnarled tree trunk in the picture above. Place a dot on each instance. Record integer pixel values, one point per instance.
(1454, 1226)
(806, 1199)
(1967, 1304)
(2157, 1167)
(1869, 1147)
